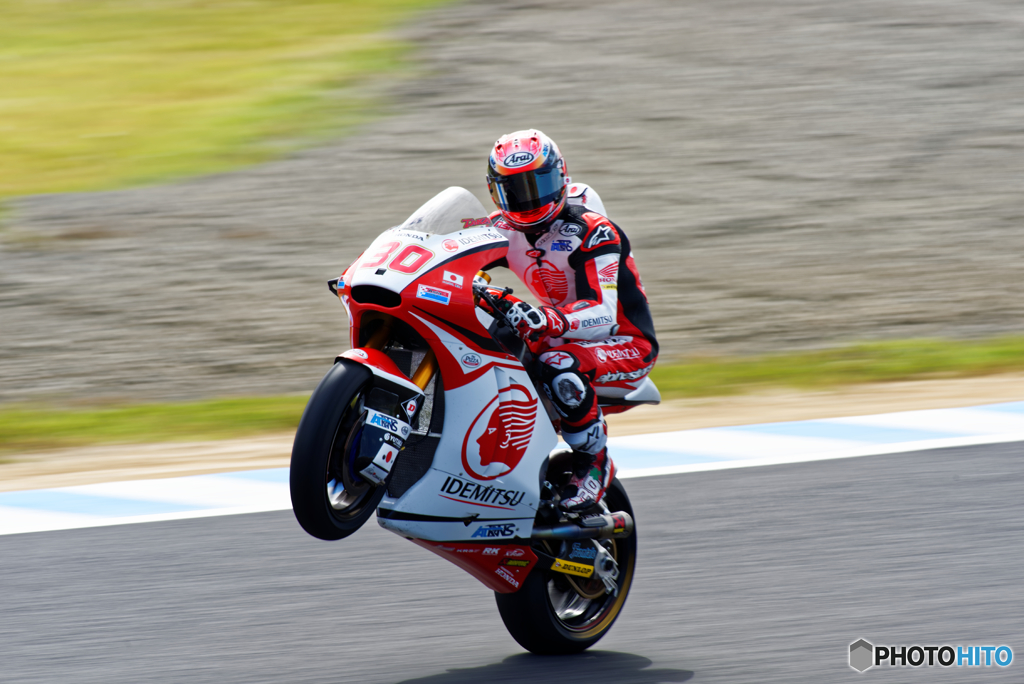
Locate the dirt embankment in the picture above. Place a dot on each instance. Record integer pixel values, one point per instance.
(792, 174)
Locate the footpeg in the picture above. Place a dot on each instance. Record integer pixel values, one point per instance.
(607, 570)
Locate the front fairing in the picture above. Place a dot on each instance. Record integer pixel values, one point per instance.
(421, 274)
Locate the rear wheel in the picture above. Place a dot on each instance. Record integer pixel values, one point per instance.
(329, 498)
(554, 613)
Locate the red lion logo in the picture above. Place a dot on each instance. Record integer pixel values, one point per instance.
(507, 434)
(548, 279)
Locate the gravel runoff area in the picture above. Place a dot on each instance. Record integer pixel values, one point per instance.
(793, 174)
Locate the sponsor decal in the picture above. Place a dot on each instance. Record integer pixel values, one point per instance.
(507, 576)
(561, 246)
(433, 294)
(482, 237)
(410, 407)
(535, 253)
(475, 493)
(604, 355)
(618, 523)
(609, 274)
(491, 551)
(517, 159)
(498, 436)
(470, 222)
(557, 359)
(408, 234)
(597, 321)
(452, 280)
(467, 549)
(575, 324)
(574, 189)
(471, 360)
(516, 563)
(386, 422)
(609, 286)
(602, 234)
(585, 552)
(618, 377)
(570, 568)
(450, 246)
(570, 229)
(546, 277)
(504, 530)
(606, 342)
(515, 553)
(360, 353)
(393, 440)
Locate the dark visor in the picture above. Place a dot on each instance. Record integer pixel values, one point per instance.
(528, 190)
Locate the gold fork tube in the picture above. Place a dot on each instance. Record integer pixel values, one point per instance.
(425, 372)
(381, 337)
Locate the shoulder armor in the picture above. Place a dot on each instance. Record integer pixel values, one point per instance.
(581, 194)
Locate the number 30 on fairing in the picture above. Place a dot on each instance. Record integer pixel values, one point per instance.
(408, 261)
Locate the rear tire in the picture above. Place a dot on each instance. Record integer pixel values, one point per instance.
(557, 614)
(329, 499)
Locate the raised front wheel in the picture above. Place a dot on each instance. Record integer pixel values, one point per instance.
(329, 498)
(554, 613)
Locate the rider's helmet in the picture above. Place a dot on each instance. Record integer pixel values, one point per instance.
(526, 178)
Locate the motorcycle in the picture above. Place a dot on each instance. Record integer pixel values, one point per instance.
(433, 419)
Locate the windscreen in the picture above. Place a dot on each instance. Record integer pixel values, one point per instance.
(449, 211)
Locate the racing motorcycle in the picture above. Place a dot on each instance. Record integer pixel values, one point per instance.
(433, 419)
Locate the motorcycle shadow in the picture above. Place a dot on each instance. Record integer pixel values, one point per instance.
(591, 667)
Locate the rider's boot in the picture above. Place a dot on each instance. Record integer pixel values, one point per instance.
(593, 469)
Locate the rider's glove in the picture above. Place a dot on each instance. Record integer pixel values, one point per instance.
(534, 324)
(498, 296)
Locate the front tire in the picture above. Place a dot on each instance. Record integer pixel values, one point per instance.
(557, 614)
(329, 498)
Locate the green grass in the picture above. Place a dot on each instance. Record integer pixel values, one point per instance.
(915, 359)
(29, 429)
(100, 94)
(34, 428)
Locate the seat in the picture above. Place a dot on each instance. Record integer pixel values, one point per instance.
(617, 400)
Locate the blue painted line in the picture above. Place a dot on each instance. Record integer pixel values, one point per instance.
(274, 475)
(824, 429)
(57, 501)
(1010, 407)
(631, 457)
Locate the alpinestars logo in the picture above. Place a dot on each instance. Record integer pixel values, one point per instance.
(498, 437)
(602, 234)
(618, 377)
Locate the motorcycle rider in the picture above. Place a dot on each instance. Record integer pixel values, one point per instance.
(594, 330)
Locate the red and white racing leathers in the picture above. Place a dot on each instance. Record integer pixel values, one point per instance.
(582, 265)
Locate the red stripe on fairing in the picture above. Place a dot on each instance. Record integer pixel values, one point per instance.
(455, 375)
(474, 503)
(484, 568)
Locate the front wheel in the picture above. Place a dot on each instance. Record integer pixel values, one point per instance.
(329, 498)
(558, 614)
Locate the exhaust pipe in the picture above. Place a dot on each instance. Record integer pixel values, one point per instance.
(617, 525)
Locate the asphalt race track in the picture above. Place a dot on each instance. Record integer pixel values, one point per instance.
(749, 575)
